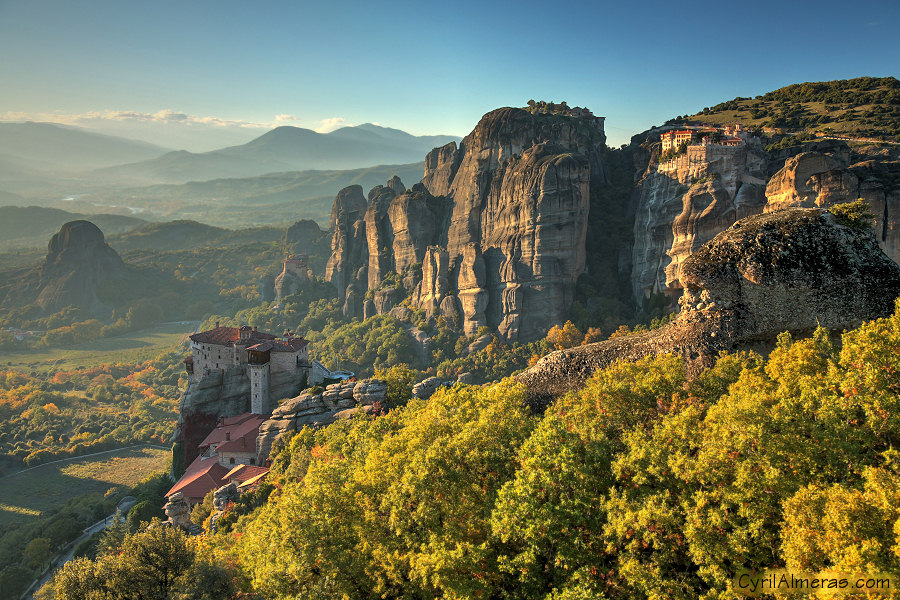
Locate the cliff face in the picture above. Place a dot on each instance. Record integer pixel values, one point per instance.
(497, 225)
(815, 179)
(684, 202)
(222, 393)
(790, 270)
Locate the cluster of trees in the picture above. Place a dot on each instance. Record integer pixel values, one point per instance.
(26, 549)
(641, 485)
(70, 413)
(866, 107)
(859, 91)
(157, 563)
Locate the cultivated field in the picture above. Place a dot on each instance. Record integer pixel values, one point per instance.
(25, 495)
(134, 347)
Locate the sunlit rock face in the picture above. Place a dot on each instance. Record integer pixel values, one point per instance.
(814, 179)
(790, 270)
(513, 244)
(684, 202)
(497, 225)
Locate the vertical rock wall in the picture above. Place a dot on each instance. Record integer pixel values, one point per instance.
(683, 203)
(497, 225)
(814, 179)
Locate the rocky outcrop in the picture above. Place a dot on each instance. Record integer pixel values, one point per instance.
(303, 236)
(337, 401)
(349, 250)
(223, 393)
(790, 270)
(519, 187)
(80, 269)
(497, 223)
(294, 277)
(823, 180)
(684, 202)
(426, 388)
(391, 235)
(178, 514)
(435, 285)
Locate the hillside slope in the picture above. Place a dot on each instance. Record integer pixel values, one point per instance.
(866, 107)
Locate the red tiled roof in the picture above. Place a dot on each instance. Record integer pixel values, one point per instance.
(201, 477)
(289, 345)
(227, 336)
(244, 473)
(253, 481)
(261, 347)
(243, 425)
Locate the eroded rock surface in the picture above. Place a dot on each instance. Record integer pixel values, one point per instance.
(338, 400)
(497, 223)
(519, 186)
(790, 270)
(684, 202)
(823, 180)
(349, 249)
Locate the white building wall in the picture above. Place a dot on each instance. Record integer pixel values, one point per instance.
(231, 459)
(211, 357)
(259, 389)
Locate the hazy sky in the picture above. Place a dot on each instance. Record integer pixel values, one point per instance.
(222, 71)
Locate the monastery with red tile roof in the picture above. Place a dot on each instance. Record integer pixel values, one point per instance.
(228, 454)
(261, 355)
(732, 135)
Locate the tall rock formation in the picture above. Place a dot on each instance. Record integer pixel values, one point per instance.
(293, 277)
(349, 249)
(815, 179)
(80, 270)
(683, 202)
(790, 270)
(497, 225)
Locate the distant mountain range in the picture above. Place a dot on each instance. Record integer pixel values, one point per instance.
(284, 149)
(42, 147)
(36, 158)
(247, 201)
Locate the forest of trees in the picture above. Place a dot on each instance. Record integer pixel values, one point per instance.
(641, 485)
(47, 416)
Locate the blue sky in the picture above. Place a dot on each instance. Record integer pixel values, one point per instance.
(422, 67)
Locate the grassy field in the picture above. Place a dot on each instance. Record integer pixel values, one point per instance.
(27, 495)
(134, 347)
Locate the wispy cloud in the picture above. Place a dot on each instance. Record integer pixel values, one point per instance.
(330, 124)
(166, 116)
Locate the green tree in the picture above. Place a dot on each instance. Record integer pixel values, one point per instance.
(37, 552)
(142, 512)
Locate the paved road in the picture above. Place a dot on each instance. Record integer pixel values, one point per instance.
(66, 556)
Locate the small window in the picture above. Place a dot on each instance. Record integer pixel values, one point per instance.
(252, 461)
(230, 461)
